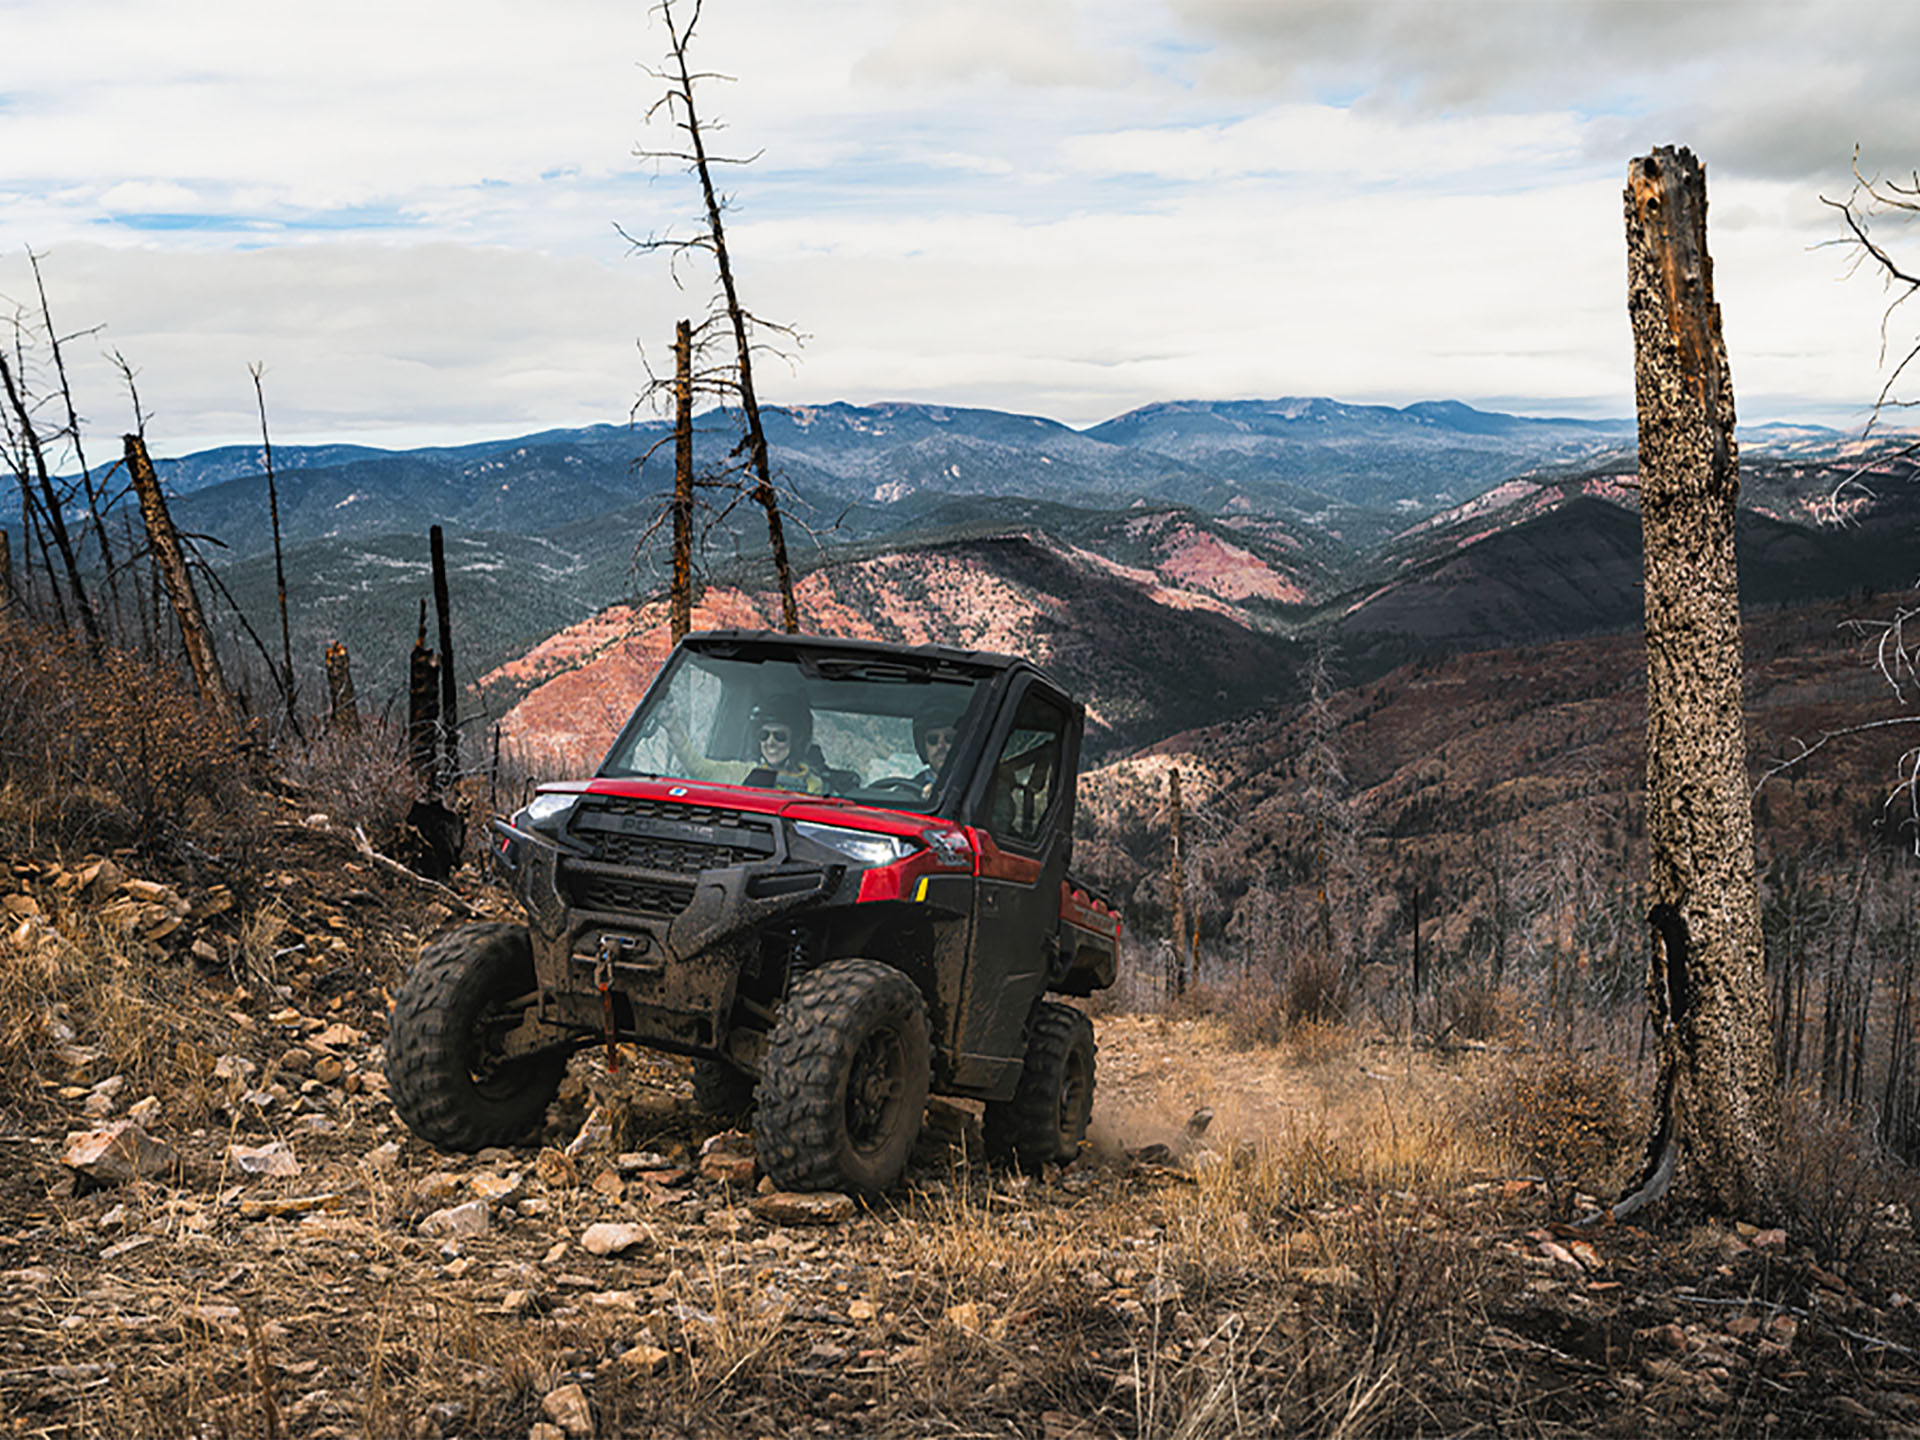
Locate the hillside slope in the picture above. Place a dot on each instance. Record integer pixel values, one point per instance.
(1148, 653)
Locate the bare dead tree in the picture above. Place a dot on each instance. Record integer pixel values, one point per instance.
(1177, 958)
(343, 706)
(54, 342)
(279, 564)
(50, 502)
(449, 713)
(729, 316)
(1716, 1101)
(170, 560)
(1875, 197)
(682, 620)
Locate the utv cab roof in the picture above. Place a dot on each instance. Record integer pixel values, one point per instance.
(756, 644)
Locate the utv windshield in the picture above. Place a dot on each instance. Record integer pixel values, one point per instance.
(867, 728)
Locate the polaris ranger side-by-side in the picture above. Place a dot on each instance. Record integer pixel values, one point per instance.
(832, 872)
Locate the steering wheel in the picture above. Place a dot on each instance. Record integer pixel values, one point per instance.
(898, 782)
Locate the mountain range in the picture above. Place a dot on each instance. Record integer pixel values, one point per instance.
(1242, 528)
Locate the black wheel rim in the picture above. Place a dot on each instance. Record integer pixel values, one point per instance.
(876, 1081)
(494, 1075)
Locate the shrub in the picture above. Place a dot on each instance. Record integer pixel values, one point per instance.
(108, 750)
(1567, 1116)
(1833, 1178)
(1472, 1007)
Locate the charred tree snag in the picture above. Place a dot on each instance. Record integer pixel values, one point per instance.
(423, 712)
(682, 617)
(343, 706)
(163, 542)
(279, 562)
(1177, 961)
(107, 566)
(1716, 1100)
(50, 502)
(434, 832)
(678, 101)
(449, 702)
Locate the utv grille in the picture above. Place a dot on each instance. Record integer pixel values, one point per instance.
(640, 852)
(682, 839)
(627, 897)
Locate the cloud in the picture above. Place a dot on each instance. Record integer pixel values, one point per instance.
(1775, 88)
(1019, 42)
(1063, 206)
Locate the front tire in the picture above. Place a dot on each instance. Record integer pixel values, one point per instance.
(844, 1084)
(1045, 1121)
(444, 1071)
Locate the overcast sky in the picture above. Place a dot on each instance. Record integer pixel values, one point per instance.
(406, 210)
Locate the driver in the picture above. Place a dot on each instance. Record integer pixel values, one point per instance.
(780, 731)
(933, 738)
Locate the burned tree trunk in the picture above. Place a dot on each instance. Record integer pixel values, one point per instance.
(50, 501)
(753, 440)
(449, 701)
(423, 712)
(1718, 1109)
(682, 615)
(164, 543)
(343, 706)
(288, 693)
(1177, 961)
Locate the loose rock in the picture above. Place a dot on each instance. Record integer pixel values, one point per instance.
(782, 1207)
(457, 1221)
(611, 1238)
(567, 1407)
(116, 1154)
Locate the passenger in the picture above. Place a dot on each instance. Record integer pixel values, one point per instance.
(782, 730)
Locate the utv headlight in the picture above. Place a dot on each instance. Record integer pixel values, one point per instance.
(546, 813)
(861, 845)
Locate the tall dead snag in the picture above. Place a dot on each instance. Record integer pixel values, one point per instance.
(343, 706)
(434, 832)
(449, 700)
(1716, 1102)
(50, 504)
(423, 712)
(279, 563)
(1177, 961)
(54, 342)
(6, 577)
(163, 541)
(685, 117)
(682, 614)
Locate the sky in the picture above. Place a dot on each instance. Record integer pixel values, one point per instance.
(411, 214)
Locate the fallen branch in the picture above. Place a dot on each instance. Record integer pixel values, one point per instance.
(392, 866)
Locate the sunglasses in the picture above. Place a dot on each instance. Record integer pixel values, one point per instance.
(776, 734)
(939, 739)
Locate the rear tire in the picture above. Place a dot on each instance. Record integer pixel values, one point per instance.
(844, 1085)
(448, 1081)
(722, 1091)
(1045, 1121)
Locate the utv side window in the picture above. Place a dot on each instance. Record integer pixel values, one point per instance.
(1027, 775)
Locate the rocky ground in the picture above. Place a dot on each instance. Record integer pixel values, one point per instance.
(212, 1224)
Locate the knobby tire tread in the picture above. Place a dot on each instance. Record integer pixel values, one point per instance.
(456, 978)
(799, 1125)
(1026, 1128)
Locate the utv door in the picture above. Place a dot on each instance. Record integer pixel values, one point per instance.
(1021, 806)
